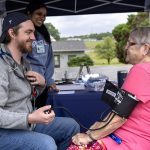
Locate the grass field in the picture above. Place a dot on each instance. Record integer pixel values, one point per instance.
(91, 44)
(97, 61)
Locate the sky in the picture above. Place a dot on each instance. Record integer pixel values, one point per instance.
(87, 24)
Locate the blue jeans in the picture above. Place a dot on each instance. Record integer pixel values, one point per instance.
(54, 136)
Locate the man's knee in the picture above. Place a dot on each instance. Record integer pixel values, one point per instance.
(46, 143)
(72, 124)
(27, 140)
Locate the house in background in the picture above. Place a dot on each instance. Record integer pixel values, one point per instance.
(65, 50)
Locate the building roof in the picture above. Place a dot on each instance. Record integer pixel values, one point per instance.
(68, 46)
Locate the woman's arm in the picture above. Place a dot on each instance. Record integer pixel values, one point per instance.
(114, 124)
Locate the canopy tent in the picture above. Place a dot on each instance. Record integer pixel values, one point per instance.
(78, 7)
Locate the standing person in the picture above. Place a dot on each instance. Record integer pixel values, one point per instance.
(133, 131)
(41, 57)
(22, 128)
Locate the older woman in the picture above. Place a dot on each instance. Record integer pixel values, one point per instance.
(134, 131)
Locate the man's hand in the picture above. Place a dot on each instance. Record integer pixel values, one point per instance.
(39, 116)
(35, 78)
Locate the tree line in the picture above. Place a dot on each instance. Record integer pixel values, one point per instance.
(56, 34)
(112, 44)
(97, 36)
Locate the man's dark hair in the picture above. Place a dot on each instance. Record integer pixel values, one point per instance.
(8, 38)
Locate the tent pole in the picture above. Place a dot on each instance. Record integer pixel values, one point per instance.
(0, 25)
(1, 28)
(149, 17)
(2, 14)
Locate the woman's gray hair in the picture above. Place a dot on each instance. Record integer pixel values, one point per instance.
(140, 35)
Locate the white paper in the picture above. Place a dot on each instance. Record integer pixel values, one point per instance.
(66, 92)
(71, 87)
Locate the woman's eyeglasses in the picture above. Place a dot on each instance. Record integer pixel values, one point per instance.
(129, 44)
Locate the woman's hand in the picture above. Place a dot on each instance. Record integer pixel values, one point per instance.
(35, 78)
(81, 139)
(53, 87)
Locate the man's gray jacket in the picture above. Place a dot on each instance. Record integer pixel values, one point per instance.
(15, 94)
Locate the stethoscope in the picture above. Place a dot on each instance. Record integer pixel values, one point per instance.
(12, 67)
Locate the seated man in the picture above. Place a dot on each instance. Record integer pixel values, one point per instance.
(20, 127)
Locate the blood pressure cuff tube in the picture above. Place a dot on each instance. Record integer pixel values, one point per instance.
(121, 101)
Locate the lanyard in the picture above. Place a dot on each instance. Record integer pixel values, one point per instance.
(2, 53)
(13, 67)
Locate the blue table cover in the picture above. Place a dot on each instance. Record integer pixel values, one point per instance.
(86, 106)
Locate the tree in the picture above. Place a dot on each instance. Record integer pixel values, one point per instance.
(139, 20)
(106, 49)
(80, 60)
(121, 34)
(53, 31)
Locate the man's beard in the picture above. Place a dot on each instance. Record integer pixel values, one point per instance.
(23, 48)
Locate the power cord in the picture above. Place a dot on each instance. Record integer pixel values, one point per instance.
(107, 120)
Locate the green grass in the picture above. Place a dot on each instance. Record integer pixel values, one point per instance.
(91, 44)
(98, 61)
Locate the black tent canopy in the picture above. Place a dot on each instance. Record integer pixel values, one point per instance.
(78, 7)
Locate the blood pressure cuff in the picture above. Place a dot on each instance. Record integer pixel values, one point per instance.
(121, 101)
